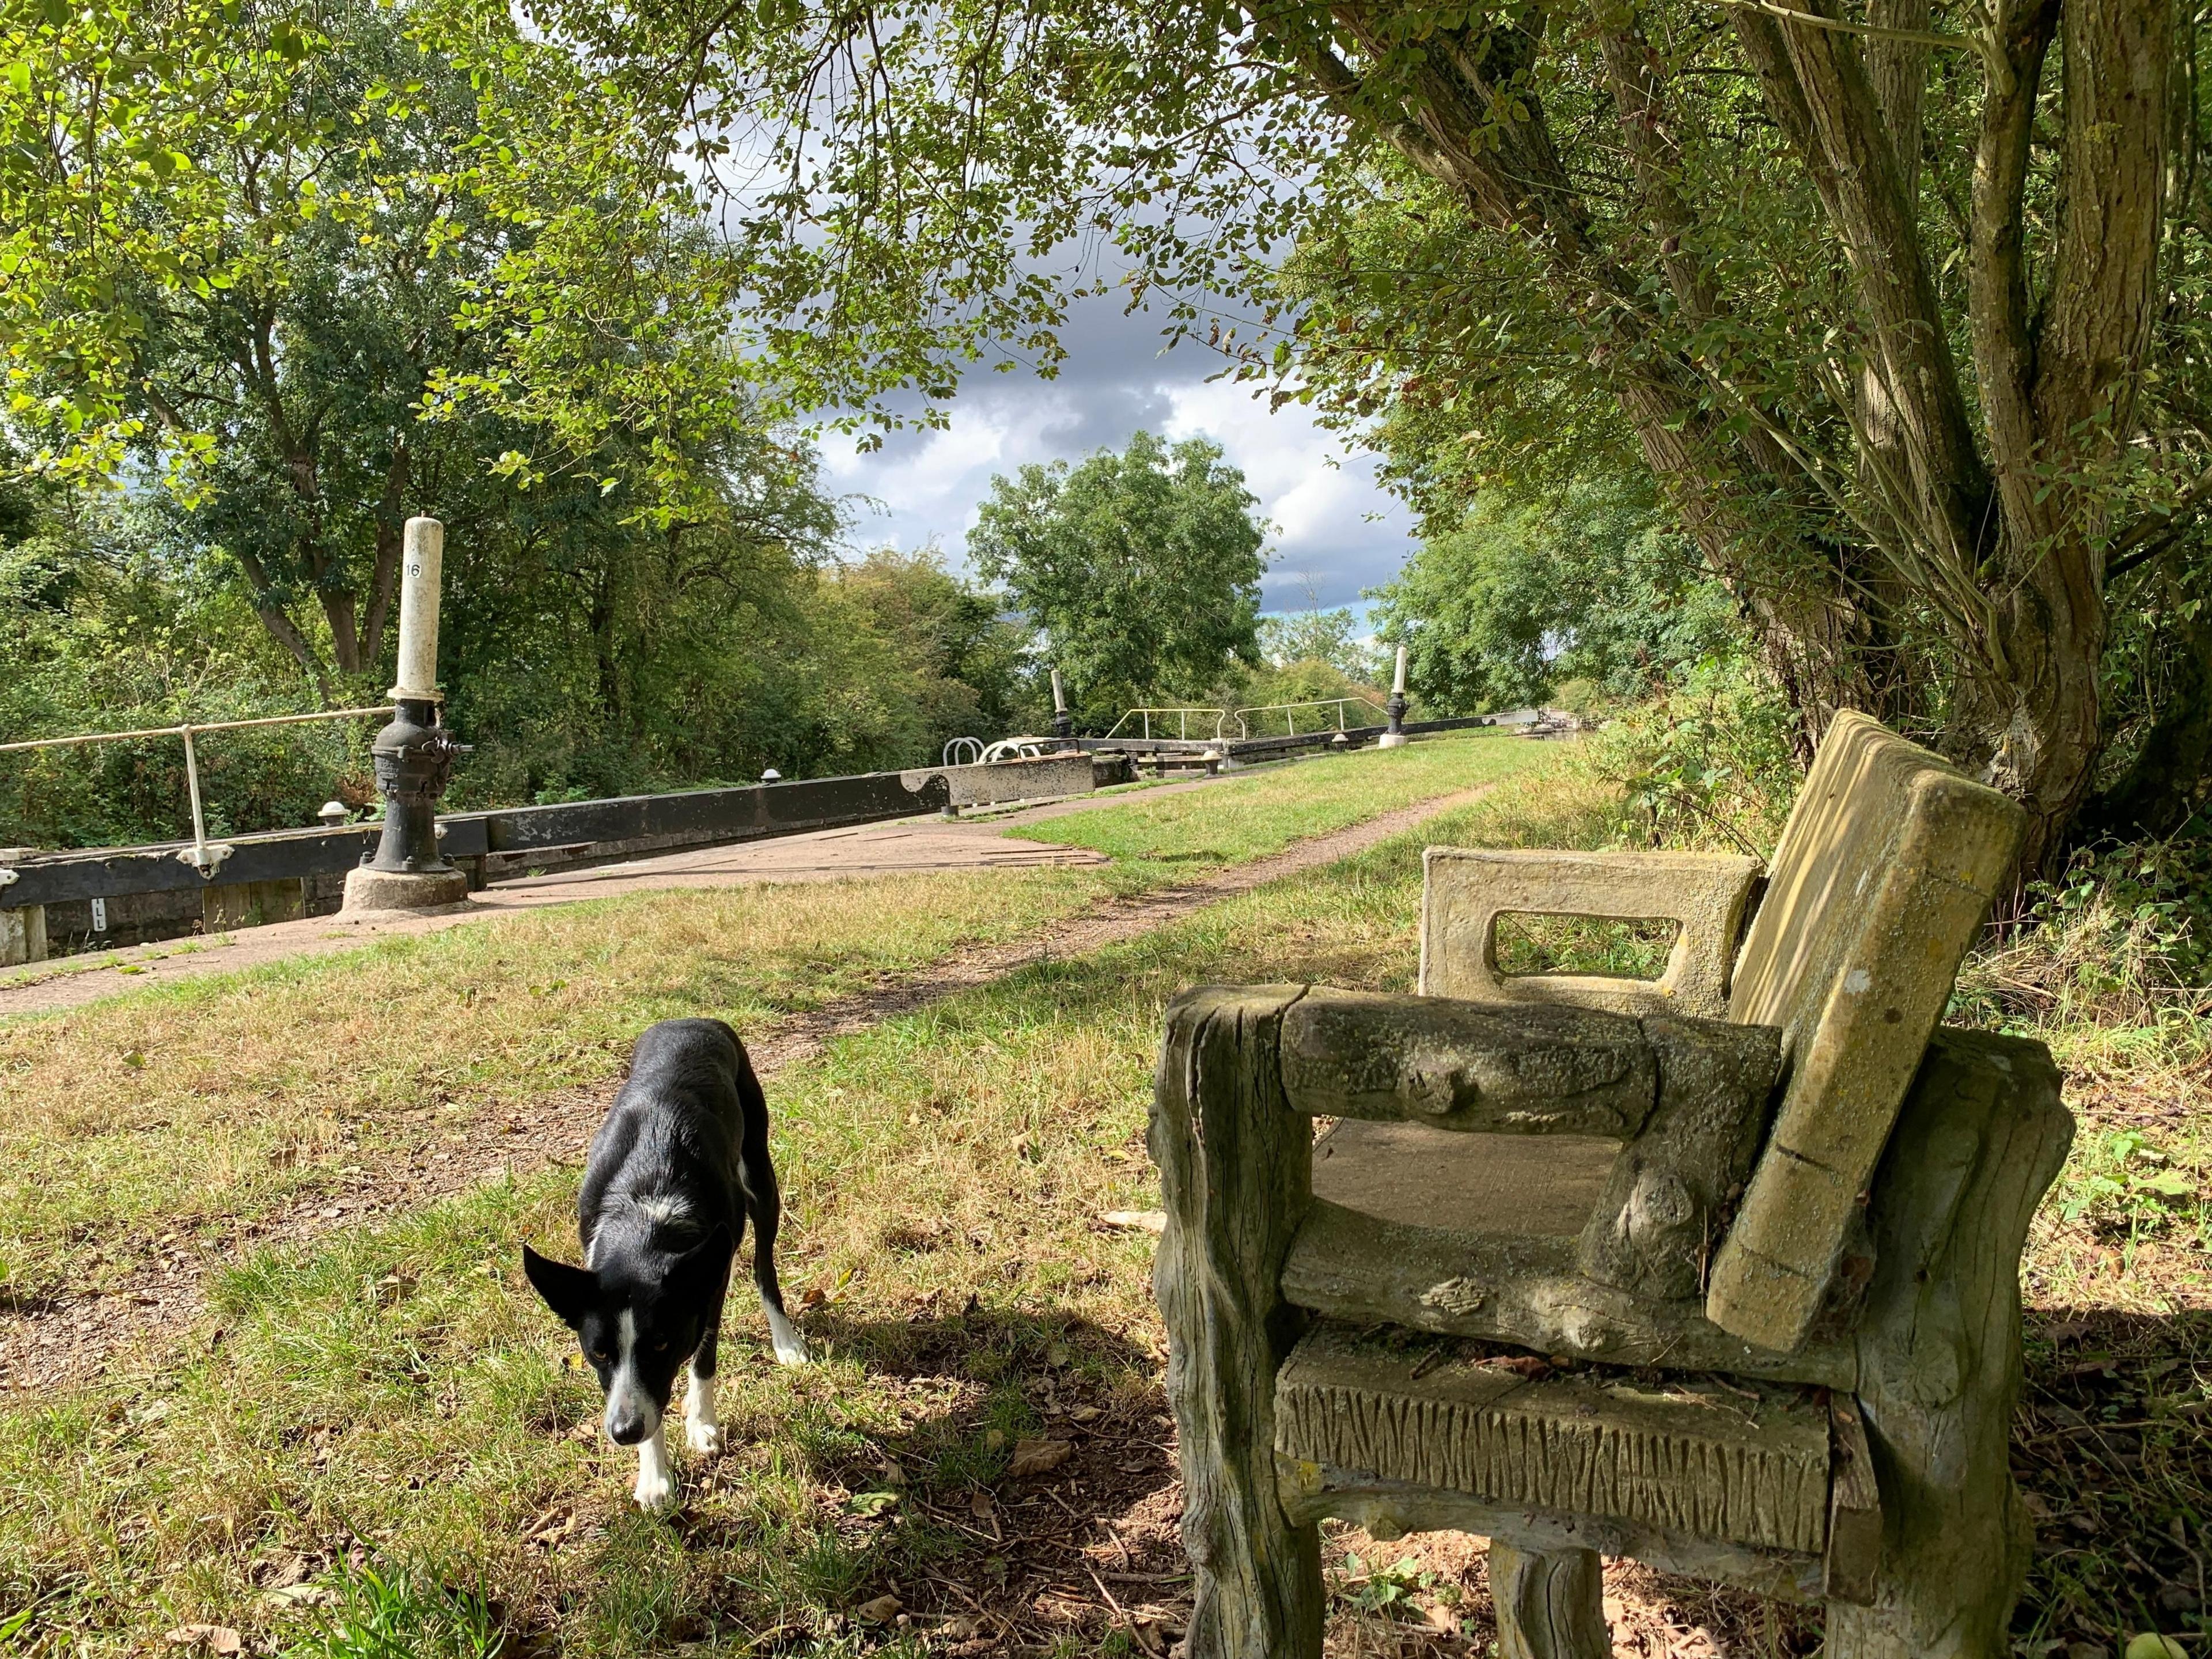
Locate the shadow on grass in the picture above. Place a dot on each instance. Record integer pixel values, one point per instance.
(2113, 1448)
(1070, 1559)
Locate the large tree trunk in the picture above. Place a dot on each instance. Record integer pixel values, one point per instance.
(1990, 516)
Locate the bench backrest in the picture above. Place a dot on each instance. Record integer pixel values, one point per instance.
(1883, 877)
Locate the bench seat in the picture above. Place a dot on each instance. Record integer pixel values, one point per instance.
(1759, 1483)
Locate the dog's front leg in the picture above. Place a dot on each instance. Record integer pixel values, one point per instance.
(656, 1487)
(702, 1429)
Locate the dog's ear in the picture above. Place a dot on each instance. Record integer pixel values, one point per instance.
(702, 1266)
(569, 1292)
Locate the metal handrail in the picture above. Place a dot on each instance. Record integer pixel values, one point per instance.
(201, 857)
(1183, 719)
(1289, 711)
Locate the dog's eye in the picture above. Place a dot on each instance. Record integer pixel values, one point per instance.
(660, 1347)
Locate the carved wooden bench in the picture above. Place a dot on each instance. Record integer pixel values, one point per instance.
(1718, 1271)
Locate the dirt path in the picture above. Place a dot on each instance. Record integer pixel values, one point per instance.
(903, 847)
(62, 1340)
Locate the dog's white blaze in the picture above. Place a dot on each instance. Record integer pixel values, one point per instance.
(669, 1209)
(625, 1397)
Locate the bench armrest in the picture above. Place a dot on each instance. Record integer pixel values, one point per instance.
(1465, 891)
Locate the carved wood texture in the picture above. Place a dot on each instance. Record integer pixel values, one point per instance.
(1756, 1475)
(1236, 1174)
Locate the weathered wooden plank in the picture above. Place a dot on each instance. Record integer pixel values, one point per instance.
(1468, 1066)
(1699, 1461)
(1524, 1290)
(1391, 1509)
(1854, 1557)
(1883, 875)
(1236, 1174)
(1545, 1185)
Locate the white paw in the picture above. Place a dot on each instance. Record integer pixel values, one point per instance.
(705, 1438)
(792, 1350)
(656, 1492)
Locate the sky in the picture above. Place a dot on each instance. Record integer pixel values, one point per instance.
(1334, 531)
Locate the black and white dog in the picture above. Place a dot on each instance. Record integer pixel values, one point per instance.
(680, 1163)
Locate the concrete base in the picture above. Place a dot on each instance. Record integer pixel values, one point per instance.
(411, 889)
(1392, 740)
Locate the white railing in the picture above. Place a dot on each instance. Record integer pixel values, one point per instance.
(200, 856)
(1289, 711)
(1183, 719)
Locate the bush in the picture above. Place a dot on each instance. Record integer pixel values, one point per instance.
(1711, 763)
(2121, 937)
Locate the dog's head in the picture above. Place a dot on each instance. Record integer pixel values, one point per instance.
(636, 1331)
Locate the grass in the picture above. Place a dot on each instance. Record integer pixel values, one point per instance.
(174, 1116)
(390, 1400)
(1243, 817)
(395, 1388)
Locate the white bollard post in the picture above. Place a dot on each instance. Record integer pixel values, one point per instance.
(420, 566)
(1395, 737)
(415, 754)
(1063, 725)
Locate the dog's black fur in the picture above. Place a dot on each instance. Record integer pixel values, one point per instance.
(680, 1164)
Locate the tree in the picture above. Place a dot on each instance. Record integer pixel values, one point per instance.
(1889, 303)
(1901, 306)
(1331, 638)
(1142, 568)
(966, 661)
(300, 319)
(1529, 591)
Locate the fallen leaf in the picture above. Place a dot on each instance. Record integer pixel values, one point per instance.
(215, 1638)
(1039, 1457)
(979, 1505)
(1136, 1221)
(299, 1596)
(881, 1610)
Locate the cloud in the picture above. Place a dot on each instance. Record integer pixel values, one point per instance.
(1336, 531)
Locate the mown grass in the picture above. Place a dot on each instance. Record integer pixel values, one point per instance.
(1249, 816)
(180, 1112)
(397, 1389)
(393, 1400)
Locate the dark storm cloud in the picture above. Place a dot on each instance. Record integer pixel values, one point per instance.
(1336, 532)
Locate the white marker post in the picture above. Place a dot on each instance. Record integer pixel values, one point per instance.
(415, 754)
(421, 569)
(1063, 725)
(1395, 738)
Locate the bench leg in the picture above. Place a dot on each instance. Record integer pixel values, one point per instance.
(1939, 1354)
(1551, 1603)
(1235, 1175)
